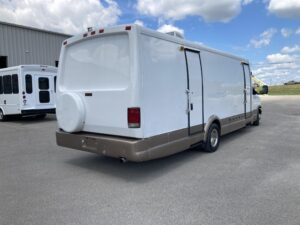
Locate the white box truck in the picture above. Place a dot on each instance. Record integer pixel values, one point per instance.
(27, 90)
(136, 94)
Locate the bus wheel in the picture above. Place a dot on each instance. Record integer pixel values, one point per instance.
(213, 139)
(2, 116)
(257, 121)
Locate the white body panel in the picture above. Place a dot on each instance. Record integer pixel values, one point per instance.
(256, 102)
(164, 84)
(223, 86)
(40, 96)
(118, 69)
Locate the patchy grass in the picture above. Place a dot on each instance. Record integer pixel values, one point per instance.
(285, 90)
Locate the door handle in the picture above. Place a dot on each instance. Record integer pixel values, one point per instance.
(192, 106)
(187, 91)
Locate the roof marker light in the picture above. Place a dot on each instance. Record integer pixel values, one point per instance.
(101, 31)
(128, 28)
(93, 32)
(85, 35)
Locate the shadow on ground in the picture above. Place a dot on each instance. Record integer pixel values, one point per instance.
(30, 119)
(132, 171)
(149, 170)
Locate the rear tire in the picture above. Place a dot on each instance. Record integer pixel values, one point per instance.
(257, 121)
(2, 116)
(213, 139)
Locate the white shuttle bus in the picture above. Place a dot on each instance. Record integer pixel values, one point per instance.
(136, 94)
(27, 90)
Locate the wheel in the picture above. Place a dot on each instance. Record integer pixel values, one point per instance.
(256, 122)
(2, 116)
(213, 139)
(41, 116)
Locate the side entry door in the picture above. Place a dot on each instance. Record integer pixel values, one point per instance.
(247, 90)
(194, 91)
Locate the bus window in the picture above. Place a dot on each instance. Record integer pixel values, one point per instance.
(44, 96)
(15, 84)
(43, 83)
(28, 82)
(1, 85)
(7, 87)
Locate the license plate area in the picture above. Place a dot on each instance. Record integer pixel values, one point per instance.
(89, 143)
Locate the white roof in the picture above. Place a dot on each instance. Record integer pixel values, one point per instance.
(189, 44)
(29, 67)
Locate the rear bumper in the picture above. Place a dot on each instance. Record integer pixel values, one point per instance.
(132, 149)
(37, 111)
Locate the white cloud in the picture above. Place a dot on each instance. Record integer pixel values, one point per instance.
(247, 2)
(211, 11)
(198, 42)
(285, 8)
(169, 28)
(264, 38)
(139, 22)
(298, 31)
(287, 50)
(68, 16)
(286, 32)
(278, 68)
(273, 76)
(279, 58)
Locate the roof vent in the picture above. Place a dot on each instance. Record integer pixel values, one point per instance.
(176, 34)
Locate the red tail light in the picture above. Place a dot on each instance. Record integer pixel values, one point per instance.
(128, 28)
(134, 117)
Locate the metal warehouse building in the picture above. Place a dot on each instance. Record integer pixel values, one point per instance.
(21, 45)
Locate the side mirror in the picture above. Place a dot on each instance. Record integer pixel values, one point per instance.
(264, 90)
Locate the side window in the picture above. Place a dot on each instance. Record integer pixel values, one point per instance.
(55, 84)
(43, 83)
(1, 85)
(28, 83)
(7, 87)
(15, 84)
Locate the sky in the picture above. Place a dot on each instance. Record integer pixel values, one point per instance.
(267, 32)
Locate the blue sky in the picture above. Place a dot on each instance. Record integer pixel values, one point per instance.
(237, 35)
(267, 32)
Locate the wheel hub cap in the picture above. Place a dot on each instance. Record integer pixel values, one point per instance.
(214, 138)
